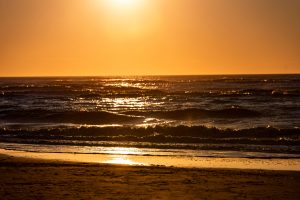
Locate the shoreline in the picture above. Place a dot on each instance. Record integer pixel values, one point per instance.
(25, 178)
(166, 161)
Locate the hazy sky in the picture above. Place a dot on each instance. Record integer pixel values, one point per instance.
(131, 37)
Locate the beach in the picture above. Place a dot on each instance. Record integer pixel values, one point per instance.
(24, 178)
(149, 99)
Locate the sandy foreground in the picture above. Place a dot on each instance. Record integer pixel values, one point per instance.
(23, 178)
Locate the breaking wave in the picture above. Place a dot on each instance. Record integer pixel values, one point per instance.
(158, 136)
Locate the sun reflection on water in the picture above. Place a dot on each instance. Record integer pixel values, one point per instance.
(121, 160)
(120, 155)
(124, 151)
(129, 103)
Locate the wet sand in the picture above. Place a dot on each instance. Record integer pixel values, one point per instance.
(124, 156)
(23, 178)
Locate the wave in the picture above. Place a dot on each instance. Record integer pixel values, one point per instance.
(76, 117)
(159, 134)
(269, 140)
(11, 114)
(190, 114)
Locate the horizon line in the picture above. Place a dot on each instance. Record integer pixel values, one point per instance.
(227, 74)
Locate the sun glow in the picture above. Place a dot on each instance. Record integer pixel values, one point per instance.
(124, 4)
(125, 20)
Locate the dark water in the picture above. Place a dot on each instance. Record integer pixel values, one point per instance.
(241, 113)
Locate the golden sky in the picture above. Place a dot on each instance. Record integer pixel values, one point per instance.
(148, 37)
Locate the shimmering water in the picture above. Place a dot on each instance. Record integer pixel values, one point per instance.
(257, 113)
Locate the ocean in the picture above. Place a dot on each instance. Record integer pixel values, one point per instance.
(256, 116)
